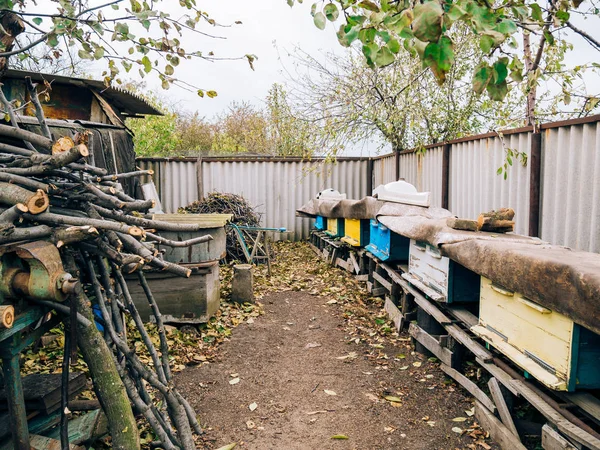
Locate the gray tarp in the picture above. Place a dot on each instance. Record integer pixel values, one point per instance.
(558, 278)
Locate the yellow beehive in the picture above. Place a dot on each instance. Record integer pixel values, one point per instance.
(335, 227)
(356, 232)
(546, 344)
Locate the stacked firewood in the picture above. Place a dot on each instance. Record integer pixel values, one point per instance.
(500, 221)
(48, 192)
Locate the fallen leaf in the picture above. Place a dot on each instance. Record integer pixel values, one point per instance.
(252, 406)
(457, 430)
(332, 302)
(328, 392)
(250, 320)
(417, 364)
(312, 345)
(403, 368)
(250, 424)
(228, 447)
(340, 437)
(470, 412)
(431, 423)
(234, 381)
(312, 413)
(459, 419)
(350, 355)
(389, 429)
(391, 398)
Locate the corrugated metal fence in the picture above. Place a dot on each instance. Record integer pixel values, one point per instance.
(569, 212)
(275, 187)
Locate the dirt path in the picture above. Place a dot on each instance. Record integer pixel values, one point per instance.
(307, 347)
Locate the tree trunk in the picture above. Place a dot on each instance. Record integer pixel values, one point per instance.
(12, 26)
(107, 382)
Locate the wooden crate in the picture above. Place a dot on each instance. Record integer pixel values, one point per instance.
(386, 245)
(453, 282)
(320, 223)
(335, 228)
(192, 300)
(356, 232)
(547, 345)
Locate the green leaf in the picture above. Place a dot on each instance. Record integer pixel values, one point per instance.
(455, 13)
(563, 16)
(500, 70)
(536, 12)
(211, 94)
(384, 57)
(393, 45)
(331, 12)
(368, 5)
(427, 25)
(320, 20)
(147, 64)
(37, 20)
(483, 74)
(486, 43)
(169, 69)
(52, 40)
(439, 57)
(99, 53)
(497, 91)
(549, 37)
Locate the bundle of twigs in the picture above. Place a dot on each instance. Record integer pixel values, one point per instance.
(222, 203)
(48, 192)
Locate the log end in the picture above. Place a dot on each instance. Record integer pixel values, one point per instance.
(64, 144)
(21, 207)
(38, 203)
(136, 231)
(83, 150)
(7, 316)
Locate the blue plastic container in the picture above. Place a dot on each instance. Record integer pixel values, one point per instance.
(387, 245)
(320, 223)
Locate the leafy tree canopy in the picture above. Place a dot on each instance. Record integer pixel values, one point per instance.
(515, 36)
(129, 35)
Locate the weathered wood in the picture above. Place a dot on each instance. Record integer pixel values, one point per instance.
(585, 401)
(558, 420)
(354, 263)
(36, 202)
(500, 220)
(497, 430)
(462, 224)
(107, 383)
(502, 406)
(393, 312)
(552, 440)
(471, 387)
(430, 343)
(500, 375)
(382, 281)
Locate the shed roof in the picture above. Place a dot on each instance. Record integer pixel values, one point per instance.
(128, 103)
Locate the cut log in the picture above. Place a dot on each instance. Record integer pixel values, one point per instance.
(495, 225)
(7, 316)
(62, 145)
(36, 202)
(462, 224)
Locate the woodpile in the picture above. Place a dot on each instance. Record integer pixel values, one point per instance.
(48, 192)
(500, 221)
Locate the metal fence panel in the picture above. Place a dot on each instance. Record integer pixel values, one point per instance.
(384, 170)
(570, 186)
(424, 171)
(475, 185)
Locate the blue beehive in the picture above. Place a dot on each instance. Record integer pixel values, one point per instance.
(387, 245)
(320, 223)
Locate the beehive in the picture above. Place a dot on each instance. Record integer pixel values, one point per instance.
(320, 223)
(547, 345)
(356, 232)
(335, 228)
(387, 245)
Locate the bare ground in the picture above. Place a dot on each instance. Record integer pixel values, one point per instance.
(306, 344)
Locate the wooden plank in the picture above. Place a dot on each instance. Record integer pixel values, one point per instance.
(354, 263)
(430, 343)
(386, 284)
(362, 278)
(396, 278)
(500, 401)
(500, 375)
(471, 387)
(464, 315)
(497, 430)
(393, 313)
(553, 440)
(431, 293)
(585, 401)
(558, 420)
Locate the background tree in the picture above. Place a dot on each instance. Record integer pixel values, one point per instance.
(126, 35)
(401, 101)
(518, 39)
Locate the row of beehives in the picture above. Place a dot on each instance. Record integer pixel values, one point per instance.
(548, 346)
(447, 307)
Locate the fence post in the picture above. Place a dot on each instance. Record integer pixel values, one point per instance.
(199, 178)
(370, 176)
(446, 175)
(397, 161)
(535, 171)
